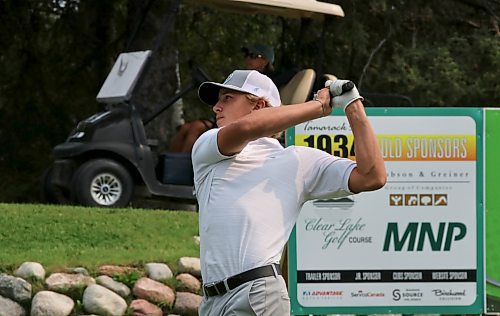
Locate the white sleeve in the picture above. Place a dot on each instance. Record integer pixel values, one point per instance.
(205, 153)
(325, 176)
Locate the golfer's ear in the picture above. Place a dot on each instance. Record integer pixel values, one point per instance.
(260, 104)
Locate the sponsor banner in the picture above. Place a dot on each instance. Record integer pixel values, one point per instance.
(408, 238)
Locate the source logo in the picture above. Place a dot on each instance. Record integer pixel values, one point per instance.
(407, 295)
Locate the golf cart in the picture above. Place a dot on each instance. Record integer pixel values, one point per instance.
(108, 160)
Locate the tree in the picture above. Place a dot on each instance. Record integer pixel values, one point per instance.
(55, 55)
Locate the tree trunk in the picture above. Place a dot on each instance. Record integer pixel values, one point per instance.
(159, 82)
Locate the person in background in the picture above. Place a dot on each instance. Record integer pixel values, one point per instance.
(250, 189)
(258, 57)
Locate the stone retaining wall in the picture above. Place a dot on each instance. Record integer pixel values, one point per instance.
(151, 290)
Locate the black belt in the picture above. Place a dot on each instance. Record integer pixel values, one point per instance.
(222, 287)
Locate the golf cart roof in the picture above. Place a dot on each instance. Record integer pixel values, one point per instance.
(285, 8)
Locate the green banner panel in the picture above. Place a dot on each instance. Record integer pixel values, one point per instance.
(415, 246)
(492, 158)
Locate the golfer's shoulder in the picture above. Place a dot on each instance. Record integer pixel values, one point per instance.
(307, 151)
(206, 142)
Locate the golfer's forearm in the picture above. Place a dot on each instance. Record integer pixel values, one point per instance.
(263, 123)
(270, 121)
(368, 156)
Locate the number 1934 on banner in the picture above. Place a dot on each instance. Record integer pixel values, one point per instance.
(339, 145)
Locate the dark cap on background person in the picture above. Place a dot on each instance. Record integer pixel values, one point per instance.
(260, 50)
(246, 81)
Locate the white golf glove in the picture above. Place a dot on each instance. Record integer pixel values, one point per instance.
(343, 93)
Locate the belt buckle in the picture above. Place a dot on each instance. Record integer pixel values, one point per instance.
(214, 285)
(209, 286)
(226, 286)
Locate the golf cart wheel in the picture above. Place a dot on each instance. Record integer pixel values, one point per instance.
(102, 182)
(49, 192)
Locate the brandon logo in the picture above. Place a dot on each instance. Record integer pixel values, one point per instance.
(448, 293)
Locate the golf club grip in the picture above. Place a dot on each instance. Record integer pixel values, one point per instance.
(347, 86)
(336, 90)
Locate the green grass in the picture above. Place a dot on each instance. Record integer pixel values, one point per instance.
(66, 236)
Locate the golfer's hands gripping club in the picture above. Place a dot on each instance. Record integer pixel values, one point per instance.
(343, 93)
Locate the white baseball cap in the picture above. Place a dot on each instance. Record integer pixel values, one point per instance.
(247, 81)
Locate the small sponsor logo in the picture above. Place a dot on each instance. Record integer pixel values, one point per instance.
(363, 294)
(418, 199)
(322, 294)
(449, 294)
(407, 295)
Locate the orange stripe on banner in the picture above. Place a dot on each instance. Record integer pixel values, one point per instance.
(399, 147)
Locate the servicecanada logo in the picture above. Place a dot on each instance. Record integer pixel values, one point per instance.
(361, 293)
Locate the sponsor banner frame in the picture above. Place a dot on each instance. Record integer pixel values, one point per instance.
(492, 207)
(302, 260)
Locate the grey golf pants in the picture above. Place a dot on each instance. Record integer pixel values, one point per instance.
(262, 297)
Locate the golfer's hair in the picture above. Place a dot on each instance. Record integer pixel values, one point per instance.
(254, 99)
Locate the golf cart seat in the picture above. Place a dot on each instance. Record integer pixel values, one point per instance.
(299, 88)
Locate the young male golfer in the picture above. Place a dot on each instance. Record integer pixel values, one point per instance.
(250, 189)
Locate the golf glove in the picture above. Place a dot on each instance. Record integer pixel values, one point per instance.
(343, 93)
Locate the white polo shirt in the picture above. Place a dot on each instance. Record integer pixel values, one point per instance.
(248, 203)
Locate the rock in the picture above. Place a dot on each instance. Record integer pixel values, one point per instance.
(29, 270)
(190, 265)
(65, 281)
(153, 291)
(15, 288)
(47, 303)
(187, 304)
(196, 240)
(188, 283)
(78, 270)
(117, 287)
(158, 271)
(142, 307)
(99, 300)
(10, 308)
(110, 270)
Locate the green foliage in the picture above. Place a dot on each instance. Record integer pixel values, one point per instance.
(74, 292)
(128, 279)
(173, 283)
(129, 312)
(37, 285)
(54, 56)
(64, 236)
(78, 309)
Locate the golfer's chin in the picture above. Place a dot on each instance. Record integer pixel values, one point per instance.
(220, 122)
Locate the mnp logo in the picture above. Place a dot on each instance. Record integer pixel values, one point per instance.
(415, 235)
